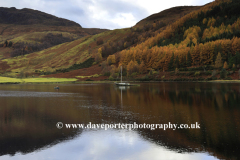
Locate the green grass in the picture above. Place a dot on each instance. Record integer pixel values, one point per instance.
(10, 80)
(32, 37)
(92, 76)
(226, 81)
(44, 80)
(36, 80)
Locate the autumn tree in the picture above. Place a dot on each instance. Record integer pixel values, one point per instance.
(98, 57)
(100, 50)
(111, 59)
(195, 55)
(113, 72)
(142, 68)
(218, 62)
(233, 66)
(170, 64)
(211, 22)
(132, 67)
(236, 44)
(204, 21)
(225, 65)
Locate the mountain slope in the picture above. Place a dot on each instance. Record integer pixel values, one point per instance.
(27, 27)
(59, 57)
(191, 41)
(168, 15)
(198, 39)
(112, 42)
(29, 17)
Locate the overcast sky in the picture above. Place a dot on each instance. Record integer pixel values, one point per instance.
(110, 14)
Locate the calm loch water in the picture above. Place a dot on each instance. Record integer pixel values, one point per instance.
(29, 114)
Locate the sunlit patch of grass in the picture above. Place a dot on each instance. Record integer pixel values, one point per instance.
(57, 46)
(92, 76)
(45, 80)
(36, 80)
(226, 81)
(10, 80)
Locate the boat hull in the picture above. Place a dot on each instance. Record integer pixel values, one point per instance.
(123, 84)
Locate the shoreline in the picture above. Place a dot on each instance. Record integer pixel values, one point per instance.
(75, 81)
(8, 80)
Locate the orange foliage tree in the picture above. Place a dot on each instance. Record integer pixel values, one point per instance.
(149, 55)
(111, 59)
(225, 65)
(132, 67)
(218, 62)
(142, 68)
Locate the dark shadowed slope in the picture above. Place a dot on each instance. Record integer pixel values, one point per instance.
(29, 16)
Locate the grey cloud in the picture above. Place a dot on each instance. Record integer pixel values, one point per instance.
(80, 13)
(75, 11)
(78, 10)
(71, 12)
(117, 6)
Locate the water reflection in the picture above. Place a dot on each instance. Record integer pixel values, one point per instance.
(32, 94)
(100, 145)
(29, 113)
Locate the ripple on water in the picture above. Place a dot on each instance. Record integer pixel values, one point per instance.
(33, 94)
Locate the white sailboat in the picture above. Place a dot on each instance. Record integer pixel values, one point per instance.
(122, 83)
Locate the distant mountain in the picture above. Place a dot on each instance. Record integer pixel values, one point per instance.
(29, 17)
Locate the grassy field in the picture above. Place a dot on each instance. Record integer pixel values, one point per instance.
(10, 80)
(226, 81)
(94, 76)
(4, 80)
